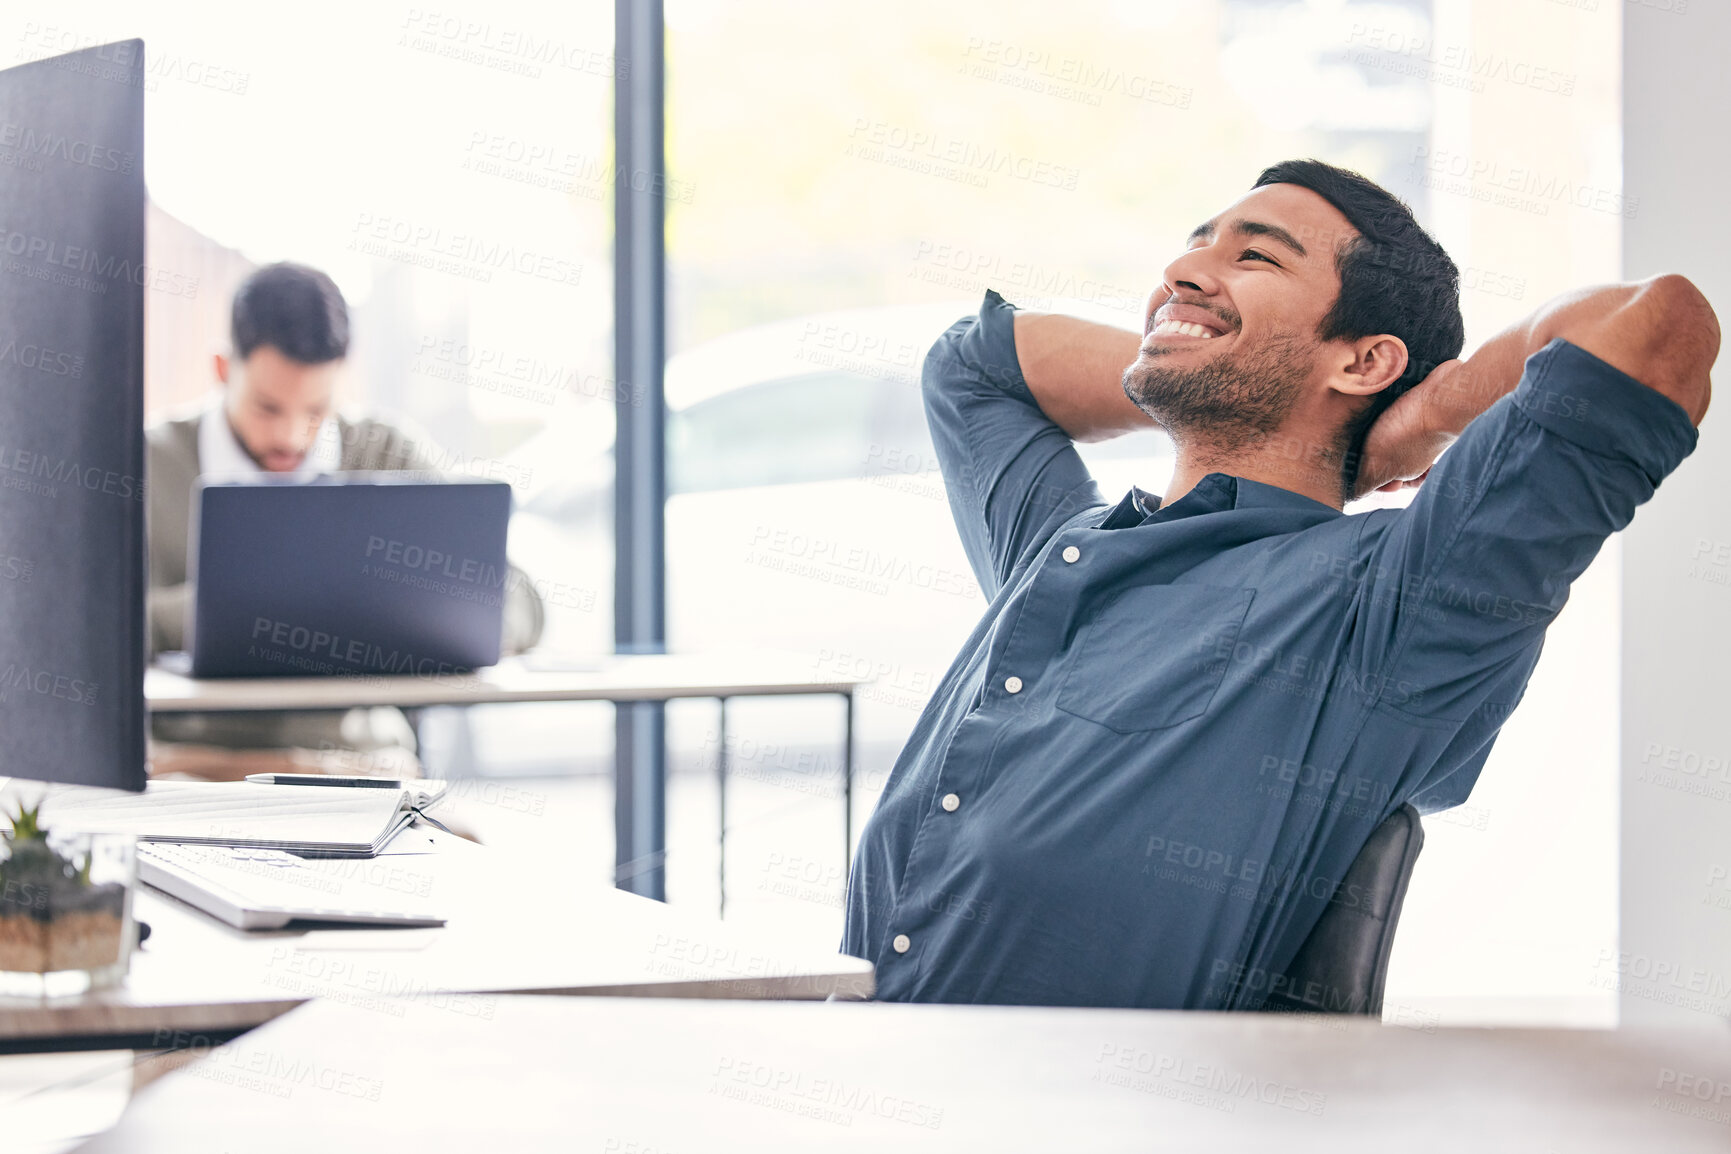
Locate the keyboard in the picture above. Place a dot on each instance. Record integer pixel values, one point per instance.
(265, 889)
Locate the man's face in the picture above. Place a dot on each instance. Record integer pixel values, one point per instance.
(1230, 339)
(275, 405)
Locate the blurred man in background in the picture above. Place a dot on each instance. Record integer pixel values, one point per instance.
(276, 413)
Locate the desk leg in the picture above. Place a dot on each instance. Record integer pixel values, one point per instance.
(721, 799)
(640, 798)
(847, 786)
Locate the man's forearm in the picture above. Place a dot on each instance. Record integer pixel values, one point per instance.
(1657, 331)
(1075, 369)
(1454, 401)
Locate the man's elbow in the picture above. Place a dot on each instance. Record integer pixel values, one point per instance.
(1678, 334)
(1674, 300)
(1662, 331)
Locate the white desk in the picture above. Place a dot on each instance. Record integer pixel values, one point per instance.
(617, 679)
(645, 678)
(506, 932)
(655, 1076)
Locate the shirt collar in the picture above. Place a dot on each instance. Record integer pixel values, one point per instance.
(220, 453)
(1258, 495)
(1214, 493)
(1132, 510)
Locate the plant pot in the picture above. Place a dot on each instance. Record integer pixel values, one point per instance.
(65, 912)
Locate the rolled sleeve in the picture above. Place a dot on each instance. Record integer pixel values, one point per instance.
(1012, 475)
(1459, 587)
(1570, 392)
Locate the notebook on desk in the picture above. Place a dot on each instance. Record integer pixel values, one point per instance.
(311, 822)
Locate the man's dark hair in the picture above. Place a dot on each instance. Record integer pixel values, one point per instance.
(296, 310)
(1394, 278)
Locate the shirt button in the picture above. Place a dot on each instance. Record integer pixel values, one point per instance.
(1072, 554)
(1012, 685)
(951, 803)
(900, 943)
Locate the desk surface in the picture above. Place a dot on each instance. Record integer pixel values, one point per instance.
(650, 1075)
(507, 932)
(640, 678)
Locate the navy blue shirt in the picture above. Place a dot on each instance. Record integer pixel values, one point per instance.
(1174, 728)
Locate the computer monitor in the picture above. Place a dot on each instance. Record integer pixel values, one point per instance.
(72, 282)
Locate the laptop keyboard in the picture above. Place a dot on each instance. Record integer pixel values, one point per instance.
(265, 888)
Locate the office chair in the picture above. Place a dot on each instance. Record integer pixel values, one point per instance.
(1343, 964)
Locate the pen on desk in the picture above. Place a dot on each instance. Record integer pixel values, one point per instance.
(325, 779)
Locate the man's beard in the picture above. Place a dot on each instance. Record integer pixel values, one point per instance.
(1231, 402)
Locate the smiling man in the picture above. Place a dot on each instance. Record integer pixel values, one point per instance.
(1182, 716)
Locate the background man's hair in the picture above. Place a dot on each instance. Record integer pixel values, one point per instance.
(1394, 278)
(297, 310)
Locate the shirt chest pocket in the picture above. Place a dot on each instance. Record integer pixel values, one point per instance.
(1153, 656)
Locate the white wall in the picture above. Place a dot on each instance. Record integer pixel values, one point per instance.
(1674, 960)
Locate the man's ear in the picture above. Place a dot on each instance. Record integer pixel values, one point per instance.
(221, 363)
(1369, 365)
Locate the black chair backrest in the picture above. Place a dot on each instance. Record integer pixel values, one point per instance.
(1342, 966)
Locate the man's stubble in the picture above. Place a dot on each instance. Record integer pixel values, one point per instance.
(1228, 404)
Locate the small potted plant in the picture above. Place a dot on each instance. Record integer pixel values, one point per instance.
(65, 906)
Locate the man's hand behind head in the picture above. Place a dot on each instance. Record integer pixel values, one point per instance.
(1407, 438)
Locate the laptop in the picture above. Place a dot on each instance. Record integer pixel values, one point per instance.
(346, 574)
